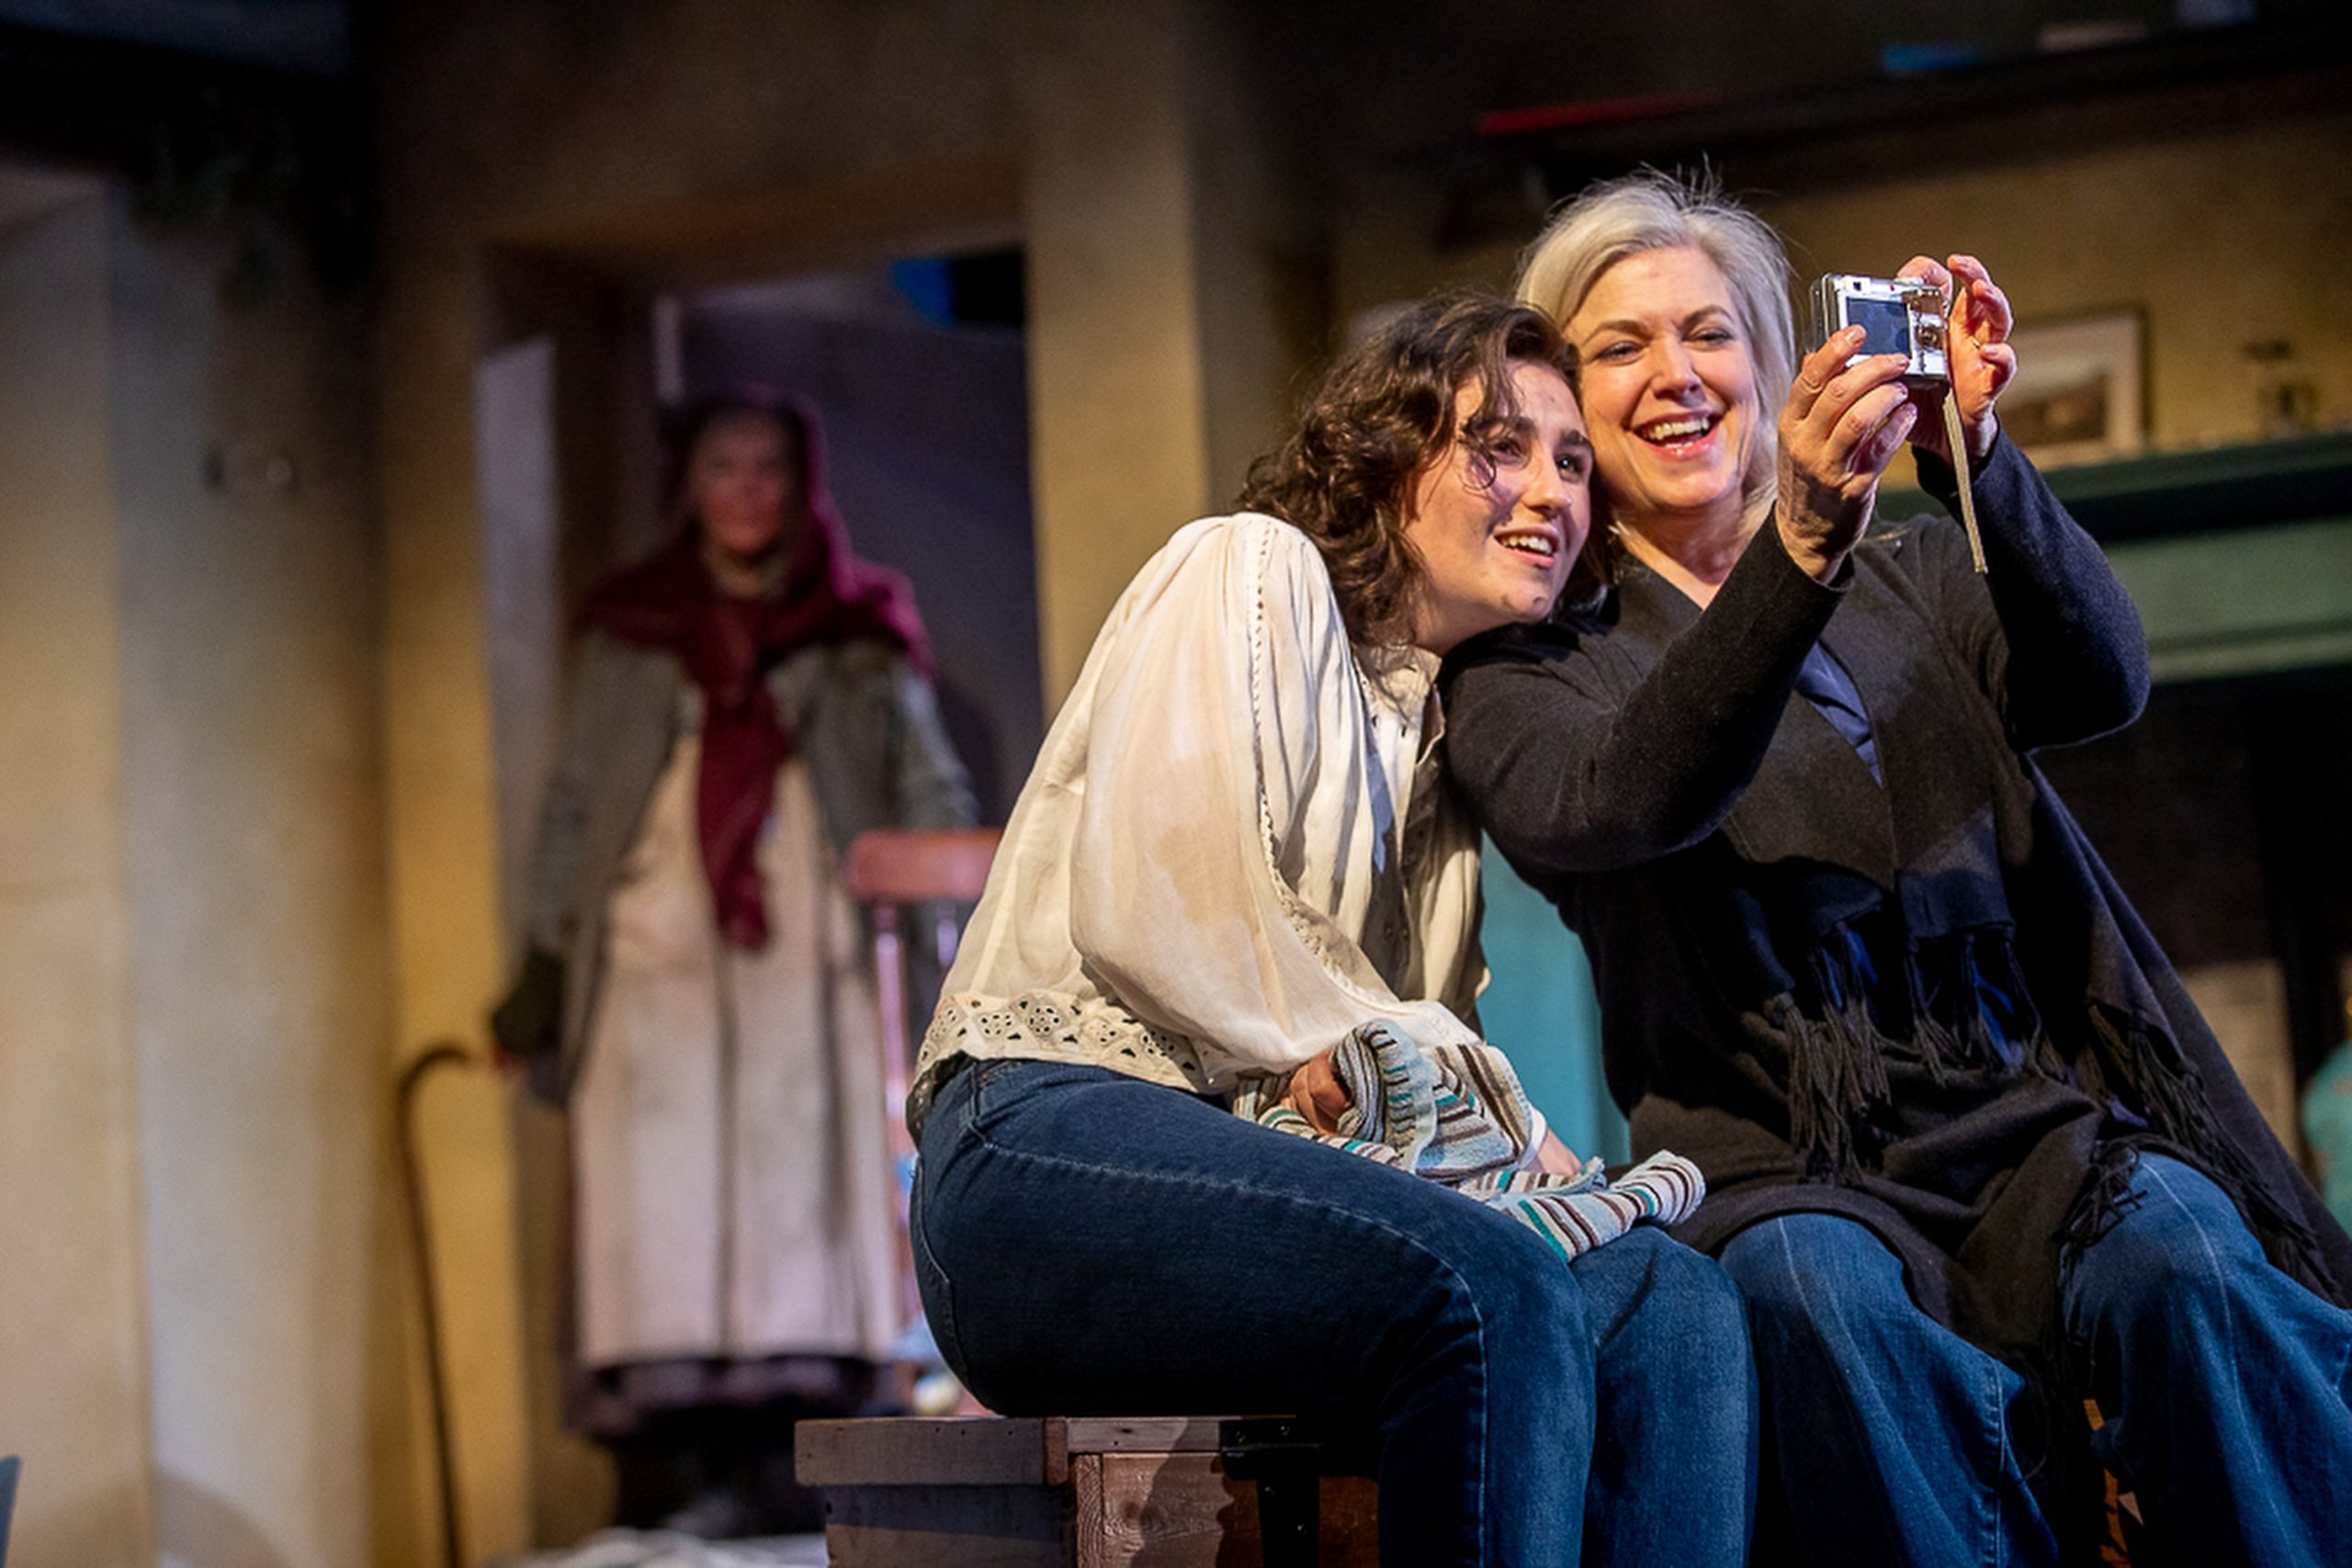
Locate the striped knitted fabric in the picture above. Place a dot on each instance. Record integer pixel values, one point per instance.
(1458, 1116)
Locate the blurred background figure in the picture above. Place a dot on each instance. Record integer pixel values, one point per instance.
(697, 992)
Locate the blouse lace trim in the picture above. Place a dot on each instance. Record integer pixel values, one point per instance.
(1043, 1026)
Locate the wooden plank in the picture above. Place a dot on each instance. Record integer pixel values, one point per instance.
(864, 1547)
(927, 1450)
(1089, 1526)
(1350, 1507)
(1056, 1434)
(1152, 1434)
(1182, 1510)
(1098, 1492)
(926, 1527)
(984, 1450)
(1176, 1433)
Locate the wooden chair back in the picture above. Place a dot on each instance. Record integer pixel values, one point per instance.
(885, 869)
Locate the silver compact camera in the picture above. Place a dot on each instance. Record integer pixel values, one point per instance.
(1898, 315)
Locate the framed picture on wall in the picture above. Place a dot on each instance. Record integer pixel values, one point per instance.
(2080, 392)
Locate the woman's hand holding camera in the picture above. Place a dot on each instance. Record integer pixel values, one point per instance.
(1977, 345)
(1838, 431)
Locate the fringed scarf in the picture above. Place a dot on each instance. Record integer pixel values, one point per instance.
(1457, 1116)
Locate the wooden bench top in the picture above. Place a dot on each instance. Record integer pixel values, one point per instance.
(987, 1450)
(1088, 1492)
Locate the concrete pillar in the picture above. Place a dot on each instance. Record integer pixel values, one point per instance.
(1175, 290)
(1118, 421)
(447, 944)
(73, 1348)
(190, 906)
(251, 810)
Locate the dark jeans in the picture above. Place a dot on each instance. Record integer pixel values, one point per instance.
(1090, 1244)
(2223, 1382)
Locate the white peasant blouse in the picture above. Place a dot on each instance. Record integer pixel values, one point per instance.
(1237, 844)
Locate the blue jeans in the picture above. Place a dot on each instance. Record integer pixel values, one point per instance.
(2223, 1384)
(1090, 1244)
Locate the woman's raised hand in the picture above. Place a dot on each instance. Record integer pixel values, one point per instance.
(1841, 426)
(1977, 347)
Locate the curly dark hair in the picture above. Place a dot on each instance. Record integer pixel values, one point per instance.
(1382, 414)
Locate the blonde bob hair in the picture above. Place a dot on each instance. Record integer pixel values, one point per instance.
(1612, 219)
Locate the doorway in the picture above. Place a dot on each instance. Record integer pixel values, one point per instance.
(917, 370)
(916, 365)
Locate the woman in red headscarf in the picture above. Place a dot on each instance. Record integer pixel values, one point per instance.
(697, 988)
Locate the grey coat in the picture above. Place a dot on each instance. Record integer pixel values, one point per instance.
(865, 725)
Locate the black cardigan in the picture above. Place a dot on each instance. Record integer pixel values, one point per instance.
(1926, 1006)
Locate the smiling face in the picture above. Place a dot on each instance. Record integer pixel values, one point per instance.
(1668, 386)
(1499, 515)
(740, 482)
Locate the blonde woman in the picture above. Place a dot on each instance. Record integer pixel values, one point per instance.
(1971, 1155)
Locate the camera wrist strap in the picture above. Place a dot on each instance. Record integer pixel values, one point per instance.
(1958, 440)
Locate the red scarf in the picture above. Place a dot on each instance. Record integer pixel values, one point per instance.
(729, 644)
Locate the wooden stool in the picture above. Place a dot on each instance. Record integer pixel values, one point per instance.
(984, 1492)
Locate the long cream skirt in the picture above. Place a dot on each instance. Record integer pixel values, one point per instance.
(732, 1171)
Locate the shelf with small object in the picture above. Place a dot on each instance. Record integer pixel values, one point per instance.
(2239, 557)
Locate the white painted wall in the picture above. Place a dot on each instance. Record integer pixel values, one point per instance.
(73, 1384)
(247, 593)
(191, 907)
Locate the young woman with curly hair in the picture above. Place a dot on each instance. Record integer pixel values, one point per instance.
(1236, 850)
